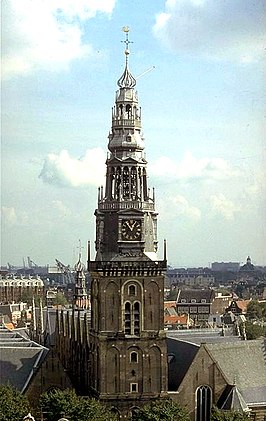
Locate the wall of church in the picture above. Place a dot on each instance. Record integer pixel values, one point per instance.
(203, 371)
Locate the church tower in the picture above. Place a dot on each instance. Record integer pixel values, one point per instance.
(127, 338)
(80, 297)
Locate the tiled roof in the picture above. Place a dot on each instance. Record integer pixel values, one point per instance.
(195, 294)
(244, 364)
(169, 304)
(231, 398)
(242, 304)
(20, 357)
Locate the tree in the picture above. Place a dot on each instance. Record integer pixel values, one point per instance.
(254, 331)
(256, 310)
(164, 410)
(218, 415)
(58, 403)
(13, 405)
(60, 299)
(28, 295)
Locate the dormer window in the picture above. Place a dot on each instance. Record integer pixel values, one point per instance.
(203, 300)
(193, 300)
(183, 300)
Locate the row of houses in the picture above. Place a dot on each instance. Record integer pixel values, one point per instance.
(201, 308)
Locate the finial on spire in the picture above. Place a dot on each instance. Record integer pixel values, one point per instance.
(127, 42)
(80, 248)
(126, 80)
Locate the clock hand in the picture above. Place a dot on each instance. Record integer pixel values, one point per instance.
(129, 226)
(133, 224)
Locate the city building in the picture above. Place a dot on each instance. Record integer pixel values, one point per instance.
(225, 266)
(238, 306)
(173, 320)
(191, 277)
(195, 302)
(17, 288)
(16, 312)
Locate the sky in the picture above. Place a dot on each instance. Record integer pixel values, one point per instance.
(200, 69)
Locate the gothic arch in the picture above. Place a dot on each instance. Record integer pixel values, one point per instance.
(112, 305)
(113, 370)
(203, 398)
(153, 316)
(155, 374)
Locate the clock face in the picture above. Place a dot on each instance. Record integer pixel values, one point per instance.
(131, 229)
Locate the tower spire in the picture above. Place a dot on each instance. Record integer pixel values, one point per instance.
(126, 80)
(80, 299)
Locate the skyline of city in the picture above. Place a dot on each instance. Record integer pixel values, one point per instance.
(202, 101)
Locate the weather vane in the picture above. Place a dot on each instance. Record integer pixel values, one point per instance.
(127, 42)
(80, 248)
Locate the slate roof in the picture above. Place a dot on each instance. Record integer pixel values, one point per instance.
(180, 357)
(19, 358)
(182, 347)
(244, 365)
(231, 398)
(195, 294)
(200, 336)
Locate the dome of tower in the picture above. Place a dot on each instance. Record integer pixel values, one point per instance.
(126, 141)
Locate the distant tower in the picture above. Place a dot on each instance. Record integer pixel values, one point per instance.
(80, 299)
(127, 338)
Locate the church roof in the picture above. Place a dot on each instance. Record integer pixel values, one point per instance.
(243, 364)
(20, 357)
(231, 398)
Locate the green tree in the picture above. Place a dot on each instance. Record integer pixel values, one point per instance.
(254, 310)
(218, 415)
(27, 296)
(165, 410)
(13, 405)
(60, 299)
(58, 403)
(254, 331)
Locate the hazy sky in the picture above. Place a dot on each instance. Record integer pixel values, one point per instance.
(203, 118)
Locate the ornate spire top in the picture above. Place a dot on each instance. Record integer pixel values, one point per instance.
(126, 80)
(79, 267)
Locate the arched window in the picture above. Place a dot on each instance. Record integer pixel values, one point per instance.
(128, 110)
(132, 318)
(133, 357)
(127, 318)
(132, 290)
(116, 412)
(136, 318)
(134, 412)
(203, 403)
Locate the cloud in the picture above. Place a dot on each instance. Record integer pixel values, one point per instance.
(220, 29)
(178, 207)
(11, 217)
(192, 168)
(62, 209)
(45, 33)
(181, 207)
(220, 205)
(66, 171)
